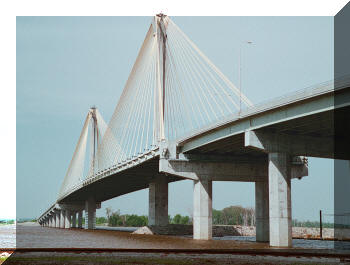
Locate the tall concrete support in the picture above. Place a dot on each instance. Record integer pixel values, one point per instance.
(74, 219)
(67, 219)
(54, 220)
(280, 200)
(58, 215)
(158, 201)
(202, 209)
(262, 211)
(90, 214)
(62, 218)
(80, 219)
(51, 223)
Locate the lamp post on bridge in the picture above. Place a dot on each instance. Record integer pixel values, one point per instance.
(240, 73)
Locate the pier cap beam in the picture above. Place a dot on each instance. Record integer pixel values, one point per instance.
(295, 145)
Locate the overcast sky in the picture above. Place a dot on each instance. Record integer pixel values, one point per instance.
(67, 64)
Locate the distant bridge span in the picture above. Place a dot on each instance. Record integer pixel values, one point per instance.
(152, 140)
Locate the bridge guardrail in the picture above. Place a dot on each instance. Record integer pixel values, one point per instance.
(289, 98)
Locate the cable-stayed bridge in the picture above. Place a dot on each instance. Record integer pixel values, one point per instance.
(179, 117)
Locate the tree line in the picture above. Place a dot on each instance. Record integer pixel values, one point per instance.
(233, 215)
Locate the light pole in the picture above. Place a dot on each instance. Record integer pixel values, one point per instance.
(240, 73)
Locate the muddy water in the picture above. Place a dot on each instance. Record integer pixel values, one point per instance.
(7, 236)
(34, 236)
(297, 243)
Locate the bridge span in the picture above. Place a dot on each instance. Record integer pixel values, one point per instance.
(159, 134)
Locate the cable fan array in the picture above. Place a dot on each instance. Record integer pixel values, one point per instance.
(81, 165)
(172, 90)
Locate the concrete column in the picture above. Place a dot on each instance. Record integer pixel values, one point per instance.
(50, 221)
(80, 219)
(58, 215)
(90, 214)
(262, 211)
(67, 220)
(54, 220)
(158, 202)
(62, 218)
(202, 209)
(280, 200)
(74, 220)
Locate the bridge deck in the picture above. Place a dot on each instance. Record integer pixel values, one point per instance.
(129, 180)
(310, 115)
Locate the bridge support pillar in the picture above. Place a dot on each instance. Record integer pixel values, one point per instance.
(62, 218)
(54, 220)
(67, 219)
(74, 220)
(58, 219)
(158, 202)
(80, 219)
(280, 200)
(90, 214)
(202, 209)
(262, 211)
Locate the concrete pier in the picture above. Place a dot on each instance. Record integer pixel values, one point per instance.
(74, 219)
(280, 200)
(62, 219)
(90, 214)
(262, 211)
(158, 201)
(58, 215)
(202, 209)
(80, 219)
(54, 220)
(67, 219)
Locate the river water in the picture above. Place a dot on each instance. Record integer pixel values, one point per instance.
(33, 236)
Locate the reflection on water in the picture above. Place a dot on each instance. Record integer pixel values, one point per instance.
(7, 236)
